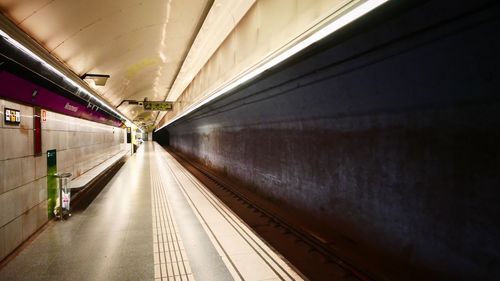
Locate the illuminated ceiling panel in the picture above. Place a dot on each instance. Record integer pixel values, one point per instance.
(141, 45)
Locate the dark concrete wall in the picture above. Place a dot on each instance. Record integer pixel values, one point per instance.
(387, 133)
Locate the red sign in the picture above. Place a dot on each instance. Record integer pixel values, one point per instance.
(44, 115)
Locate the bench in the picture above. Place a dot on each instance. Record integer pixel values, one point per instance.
(87, 186)
(87, 177)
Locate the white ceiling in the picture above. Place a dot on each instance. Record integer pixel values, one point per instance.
(141, 44)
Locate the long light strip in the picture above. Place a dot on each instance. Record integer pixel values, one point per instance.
(338, 23)
(34, 56)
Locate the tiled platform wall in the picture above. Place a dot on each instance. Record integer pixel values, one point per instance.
(80, 145)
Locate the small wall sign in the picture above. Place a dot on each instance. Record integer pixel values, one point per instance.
(12, 116)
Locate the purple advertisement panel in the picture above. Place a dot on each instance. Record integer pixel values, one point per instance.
(18, 89)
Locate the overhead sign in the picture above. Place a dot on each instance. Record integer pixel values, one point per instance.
(12, 116)
(157, 105)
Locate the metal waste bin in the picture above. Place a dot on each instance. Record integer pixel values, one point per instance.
(63, 210)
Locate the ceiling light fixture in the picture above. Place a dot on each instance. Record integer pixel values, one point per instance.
(99, 79)
(341, 21)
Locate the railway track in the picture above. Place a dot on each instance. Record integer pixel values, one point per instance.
(315, 259)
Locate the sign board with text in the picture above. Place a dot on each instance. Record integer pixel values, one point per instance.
(12, 116)
(157, 105)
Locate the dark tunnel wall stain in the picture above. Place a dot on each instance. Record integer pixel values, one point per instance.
(387, 135)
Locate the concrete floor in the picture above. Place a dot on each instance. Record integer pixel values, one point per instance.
(153, 221)
(110, 240)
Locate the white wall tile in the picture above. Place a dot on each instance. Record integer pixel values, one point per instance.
(22, 198)
(65, 160)
(4, 215)
(41, 166)
(2, 243)
(12, 175)
(49, 140)
(78, 170)
(13, 235)
(62, 140)
(78, 154)
(71, 156)
(11, 105)
(60, 159)
(72, 140)
(2, 177)
(45, 140)
(40, 190)
(27, 169)
(15, 143)
(26, 117)
(31, 142)
(29, 222)
(42, 216)
(31, 195)
(2, 149)
(16, 201)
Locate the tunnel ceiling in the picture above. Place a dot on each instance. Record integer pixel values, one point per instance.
(142, 45)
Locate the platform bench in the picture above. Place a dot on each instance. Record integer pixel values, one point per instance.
(85, 187)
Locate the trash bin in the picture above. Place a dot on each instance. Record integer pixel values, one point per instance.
(62, 211)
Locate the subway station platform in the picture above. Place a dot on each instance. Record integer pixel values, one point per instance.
(153, 221)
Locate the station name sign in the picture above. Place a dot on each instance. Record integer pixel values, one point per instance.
(157, 105)
(12, 116)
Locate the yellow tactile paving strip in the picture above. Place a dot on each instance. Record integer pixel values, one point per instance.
(170, 258)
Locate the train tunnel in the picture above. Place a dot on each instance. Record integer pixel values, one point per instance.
(250, 140)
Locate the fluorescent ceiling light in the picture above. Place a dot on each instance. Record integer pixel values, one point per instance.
(99, 79)
(335, 25)
(25, 50)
